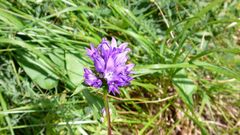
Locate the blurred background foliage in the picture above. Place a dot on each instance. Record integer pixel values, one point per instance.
(187, 72)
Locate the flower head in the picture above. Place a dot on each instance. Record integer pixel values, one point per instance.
(110, 64)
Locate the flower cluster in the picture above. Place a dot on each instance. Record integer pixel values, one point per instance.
(110, 64)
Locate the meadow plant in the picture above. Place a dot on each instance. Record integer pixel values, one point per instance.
(110, 67)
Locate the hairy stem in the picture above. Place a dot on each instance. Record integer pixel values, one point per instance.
(107, 113)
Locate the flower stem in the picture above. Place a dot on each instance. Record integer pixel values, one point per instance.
(107, 113)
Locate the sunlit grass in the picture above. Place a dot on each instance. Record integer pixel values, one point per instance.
(186, 76)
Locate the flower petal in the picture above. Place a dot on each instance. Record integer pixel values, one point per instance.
(120, 69)
(105, 49)
(110, 64)
(122, 47)
(129, 67)
(99, 64)
(121, 58)
(92, 51)
(91, 79)
(112, 88)
(113, 43)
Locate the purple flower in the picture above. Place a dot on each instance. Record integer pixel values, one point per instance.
(110, 65)
(91, 79)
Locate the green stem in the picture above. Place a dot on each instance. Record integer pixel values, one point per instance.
(107, 113)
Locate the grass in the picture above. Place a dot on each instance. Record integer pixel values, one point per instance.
(187, 72)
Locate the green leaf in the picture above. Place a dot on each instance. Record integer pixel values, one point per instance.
(4, 108)
(153, 68)
(36, 70)
(221, 70)
(147, 86)
(10, 19)
(95, 102)
(57, 57)
(184, 86)
(74, 68)
(206, 52)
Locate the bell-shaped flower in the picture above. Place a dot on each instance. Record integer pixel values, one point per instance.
(91, 79)
(110, 64)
